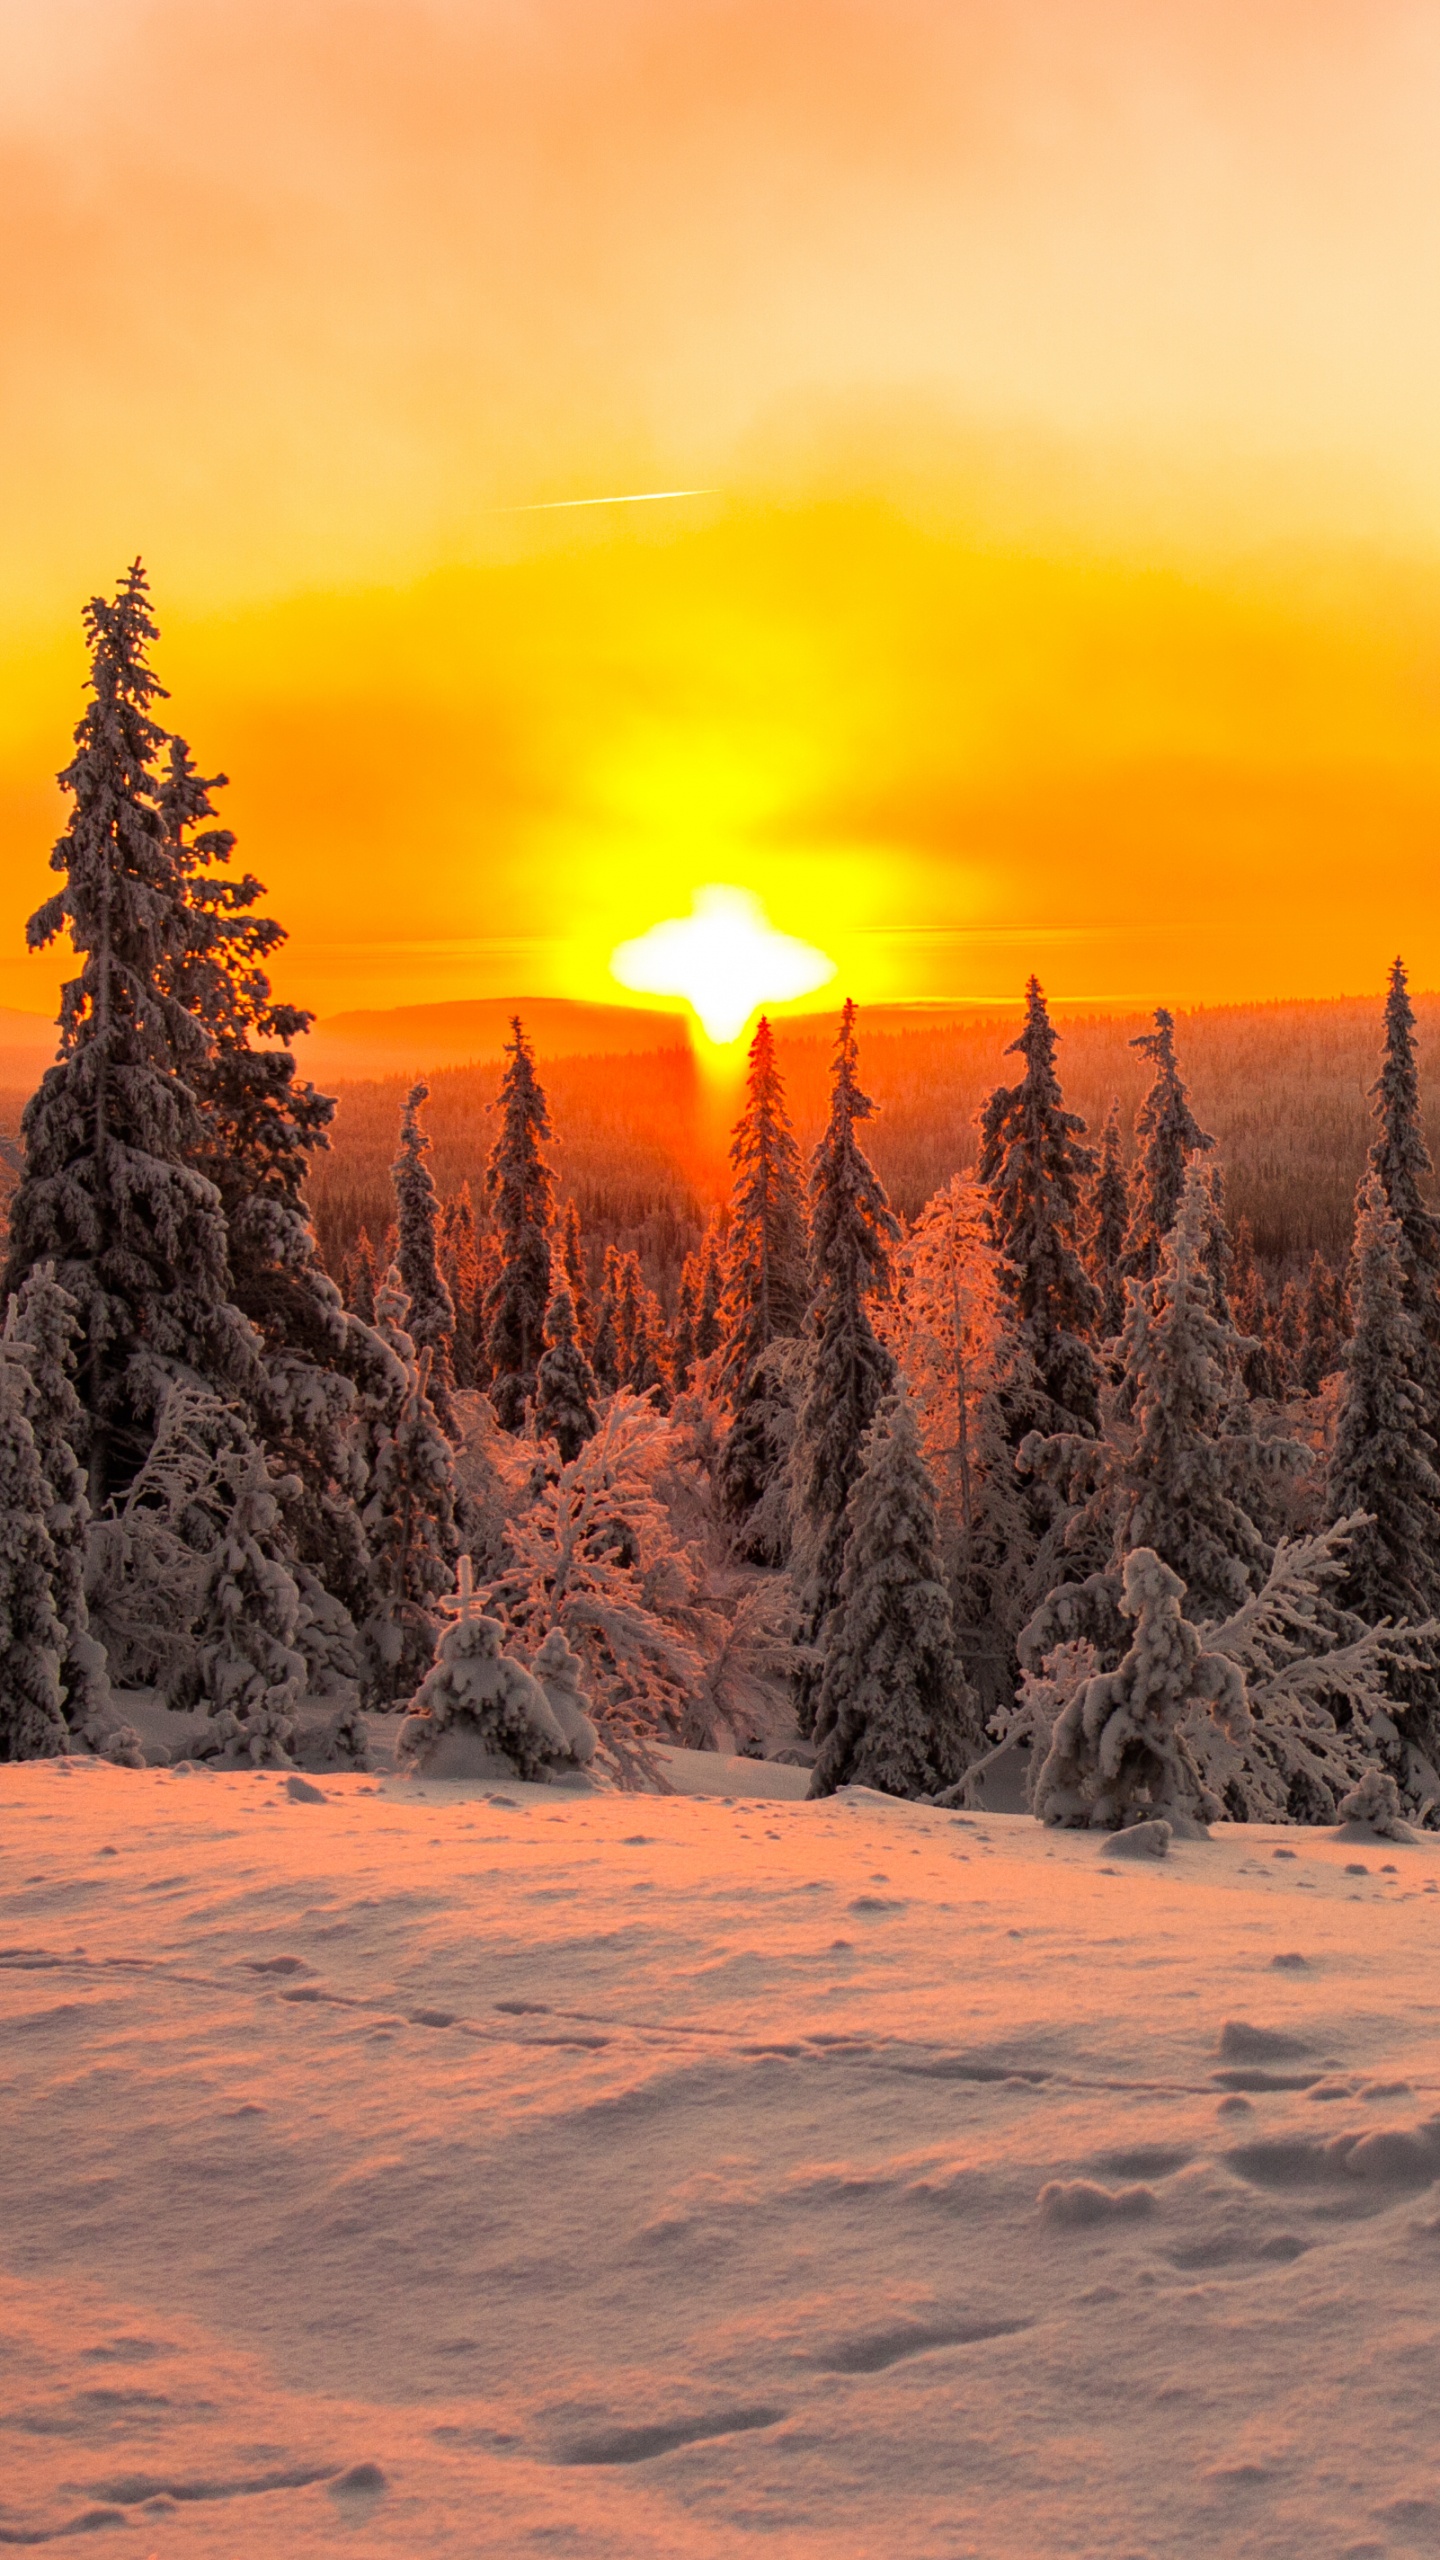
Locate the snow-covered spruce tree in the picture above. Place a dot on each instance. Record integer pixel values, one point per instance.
(1033, 1164)
(848, 1372)
(1250, 1309)
(362, 1278)
(894, 1709)
(1177, 1463)
(1399, 1155)
(261, 1125)
(1109, 1220)
(710, 1295)
(606, 1351)
(1384, 1459)
(1330, 1696)
(752, 1476)
(476, 1704)
(409, 1514)
(952, 1329)
(595, 1556)
(431, 1321)
(767, 1265)
(1120, 1751)
(1323, 1349)
(565, 1389)
(1167, 1135)
(41, 1330)
(682, 1332)
(32, 1723)
(521, 1192)
(111, 1193)
(252, 1671)
(642, 1352)
(577, 1278)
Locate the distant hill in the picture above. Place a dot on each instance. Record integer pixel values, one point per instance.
(420, 1039)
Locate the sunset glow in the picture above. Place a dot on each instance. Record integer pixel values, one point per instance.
(966, 472)
(724, 959)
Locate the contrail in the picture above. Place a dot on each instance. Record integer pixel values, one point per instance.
(631, 498)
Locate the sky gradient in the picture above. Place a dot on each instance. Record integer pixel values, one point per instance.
(1064, 373)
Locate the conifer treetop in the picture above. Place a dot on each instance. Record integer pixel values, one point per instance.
(1398, 1153)
(767, 1278)
(1168, 1135)
(1032, 1162)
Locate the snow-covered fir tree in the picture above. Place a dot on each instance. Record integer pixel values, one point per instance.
(682, 1334)
(641, 1351)
(1121, 1749)
(1033, 1164)
(409, 1511)
(752, 1477)
(477, 1704)
(894, 1708)
(520, 1189)
(262, 1125)
(431, 1321)
(848, 1371)
(565, 1389)
(1323, 1348)
(1167, 1135)
(252, 1671)
(1383, 1464)
(767, 1261)
(32, 1640)
(1399, 1155)
(1178, 1460)
(605, 1347)
(1109, 1221)
(596, 1556)
(1250, 1311)
(111, 1193)
(952, 1329)
(577, 1278)
(710, 1294)
(41, 1331)
(361, 1278)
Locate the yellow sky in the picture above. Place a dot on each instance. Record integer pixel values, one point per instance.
(1065, 372)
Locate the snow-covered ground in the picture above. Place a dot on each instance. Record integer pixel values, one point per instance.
(400, 2169)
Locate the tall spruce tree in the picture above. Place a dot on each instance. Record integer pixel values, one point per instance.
(767, 1275)
(431, 1324)
(1109, 1221)
(565, 1389)
(894, 1709)
(1384, 1460)
(1399, 1155)
(1032, 1163)
(410, 1512)
(41, 1331)
(111, 1192)
(261, 1125)
(1167, 1135)
(577, 1278)
(849, 1372)
(521, 1191)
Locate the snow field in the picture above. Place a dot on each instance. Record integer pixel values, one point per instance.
(398, 2168)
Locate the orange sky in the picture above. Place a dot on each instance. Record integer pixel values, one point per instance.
(1065, 371)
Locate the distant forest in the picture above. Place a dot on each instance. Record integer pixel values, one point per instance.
(639, 1147)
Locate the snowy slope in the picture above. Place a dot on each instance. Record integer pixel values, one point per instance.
(414, 2171)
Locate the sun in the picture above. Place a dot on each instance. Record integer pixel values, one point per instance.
(725, 958)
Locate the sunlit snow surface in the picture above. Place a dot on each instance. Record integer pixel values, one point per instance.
(424, 2172)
